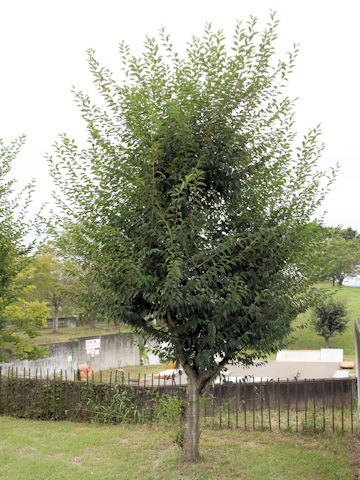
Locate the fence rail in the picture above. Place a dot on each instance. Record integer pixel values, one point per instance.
(294, 405)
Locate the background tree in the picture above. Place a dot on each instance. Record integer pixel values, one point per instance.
(339, 256)
(194, 201)
(52, 283)
(329, 318)
(85, 293)
(24, 317)
(16, 317)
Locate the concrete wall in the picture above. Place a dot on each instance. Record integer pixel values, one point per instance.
(63, 322)
(114, 351)
(323, 355)
(101, 353)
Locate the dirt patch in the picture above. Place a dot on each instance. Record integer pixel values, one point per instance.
(252, 444)
(76, 461)
(56, 455)
(123, 441)
(162, 455)
(26, 452)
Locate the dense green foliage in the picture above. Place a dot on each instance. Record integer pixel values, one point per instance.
(329, 318)
(16, 315)
(51, 282)
(13, 252)
(193, 203)
(190, 200)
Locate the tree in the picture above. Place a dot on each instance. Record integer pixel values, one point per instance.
(51, 283)
(339, 257)
(329, 318)
(16, 316)
(85, 292)
(195, 202)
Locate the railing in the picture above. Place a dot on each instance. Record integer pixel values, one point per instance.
(328, 405)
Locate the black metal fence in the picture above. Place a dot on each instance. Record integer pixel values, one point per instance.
(328, 405)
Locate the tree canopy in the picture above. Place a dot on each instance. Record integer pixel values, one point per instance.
(52, 283)
(16, 316)
(339, 255)
(194, 202)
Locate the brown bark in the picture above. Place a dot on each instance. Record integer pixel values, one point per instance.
(56, 319)
(196, 385)
(327, 343)
(191, 434)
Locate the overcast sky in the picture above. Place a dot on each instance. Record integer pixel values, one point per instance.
(43, 45)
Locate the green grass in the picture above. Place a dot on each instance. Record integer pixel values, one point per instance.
(32, 450)
(134, 371)
(306, 338)
(47, 335)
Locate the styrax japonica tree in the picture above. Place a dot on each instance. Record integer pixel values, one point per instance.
(194, 203)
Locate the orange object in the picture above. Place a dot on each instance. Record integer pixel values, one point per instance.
(170, 367)
(349, 365)
(85, 371)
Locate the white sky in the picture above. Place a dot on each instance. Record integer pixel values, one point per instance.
(42, 51)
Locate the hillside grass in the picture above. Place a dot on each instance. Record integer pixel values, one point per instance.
(305, 338)
(48, 335)
(38, 450)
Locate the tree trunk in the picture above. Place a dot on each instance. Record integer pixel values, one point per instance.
(56, 319)
(340, 280)
(191, 434)
(327, 343)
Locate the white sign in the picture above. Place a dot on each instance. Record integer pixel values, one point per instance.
(92, 346)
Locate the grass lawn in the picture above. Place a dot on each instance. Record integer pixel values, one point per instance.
(135, 372)
(47, 335)
(38, 450)
(305, 337)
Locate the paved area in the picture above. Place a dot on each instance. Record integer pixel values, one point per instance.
(275, 370)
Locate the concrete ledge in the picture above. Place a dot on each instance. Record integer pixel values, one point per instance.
(323, 355)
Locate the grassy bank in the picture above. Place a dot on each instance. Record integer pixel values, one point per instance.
(134, 371)
(47, 335)
(32, 450)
